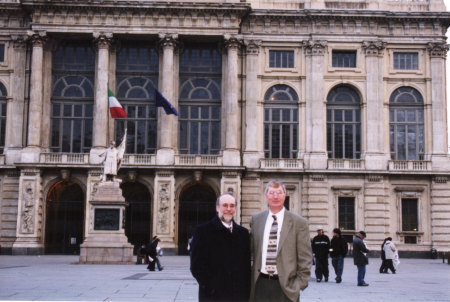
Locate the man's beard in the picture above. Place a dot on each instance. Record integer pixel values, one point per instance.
(222, 217)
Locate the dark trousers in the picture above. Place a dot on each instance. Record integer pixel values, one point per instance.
(338, 265)
(321, 268)
(361, 274)
(269, 291)
(387, 264)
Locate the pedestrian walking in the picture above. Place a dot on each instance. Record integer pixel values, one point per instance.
(338, 251)
(383, 266)
(389, 250)
(360, 258)
(321, 248)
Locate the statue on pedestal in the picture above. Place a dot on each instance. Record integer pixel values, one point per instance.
(112, 159)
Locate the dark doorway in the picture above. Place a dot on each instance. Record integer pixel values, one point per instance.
(64, 219)
(137, 214)
(197, 205)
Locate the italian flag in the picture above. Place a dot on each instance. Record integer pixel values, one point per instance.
(115, 108)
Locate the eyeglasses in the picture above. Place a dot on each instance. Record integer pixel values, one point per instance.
(272, 193)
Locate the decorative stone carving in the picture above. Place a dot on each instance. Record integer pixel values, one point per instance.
(65, 174)
(163, 209)
(19, 41)
(37, 38)
(168, 40)
(373, 48)
(440, 179)
(233, 42)
(103, 40)
(252, 47)
(318, 177)
(315, 47)
(375, 178)
(437, 50)
(28, 209)
(198, 176)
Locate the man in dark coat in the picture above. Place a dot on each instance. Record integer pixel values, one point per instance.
(220, 256)
(320, 248)
(359, 258)
(338, 251)
(151, 253)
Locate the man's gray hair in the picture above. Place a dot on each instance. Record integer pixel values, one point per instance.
(225, 194)
(275, 184)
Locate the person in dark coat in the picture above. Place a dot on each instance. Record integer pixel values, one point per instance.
(320, 248)
(152, 253)
(220, 256)
(338, 251)
(359, 257)
(383, 267)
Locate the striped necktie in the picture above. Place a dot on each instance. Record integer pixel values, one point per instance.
(271, 257)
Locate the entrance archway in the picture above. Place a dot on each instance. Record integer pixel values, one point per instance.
(137, 214)
(64, 218)
(197, 205)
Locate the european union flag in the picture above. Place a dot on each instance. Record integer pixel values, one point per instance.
(163, 102)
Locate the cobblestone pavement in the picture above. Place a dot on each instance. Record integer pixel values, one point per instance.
(57, 278)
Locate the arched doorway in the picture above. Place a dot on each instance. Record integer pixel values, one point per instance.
(197, 205)
(64, 218)
(137, 214)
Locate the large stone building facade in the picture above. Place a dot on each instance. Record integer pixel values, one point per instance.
(343, 101)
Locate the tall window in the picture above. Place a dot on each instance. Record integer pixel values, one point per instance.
(3, 95)
(72, 98)
(281, 59)
(2, 52)
(346, 213)
(137, 79)
(410, 215)
(280, 122)
(406, 60)
(406, 117)
(200, 99)
(344, 58)
(343, 123)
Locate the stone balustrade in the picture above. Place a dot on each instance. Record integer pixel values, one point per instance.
(198, 160)
(139, 159)
(346, 164)
(64, 158)
(281, 163)
(409, 165)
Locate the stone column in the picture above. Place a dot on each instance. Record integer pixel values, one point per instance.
(439, 156)
(231, 154)
(316, 147)
(253, 108)
(15, 107)
(31, 154)
(164, 208)
(375, 157)
(100, 125)
(166, 123)
(29, 214)
(231, 183)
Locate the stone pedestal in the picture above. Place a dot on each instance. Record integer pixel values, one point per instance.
(105, 241)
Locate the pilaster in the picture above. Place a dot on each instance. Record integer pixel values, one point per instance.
(316, 149)
(167, 123)
(251, 197)
(29, 214)
(375, 158)
(100, 135)
(31, 153)
(231, 154)
(164, 208)
(253, 107)
(440, 213)
(439, 157)
(377, 214)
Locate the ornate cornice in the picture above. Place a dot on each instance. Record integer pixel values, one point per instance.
(437, 50)
(373, 48)
(314, 47)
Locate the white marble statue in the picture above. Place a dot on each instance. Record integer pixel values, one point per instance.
(112, 159)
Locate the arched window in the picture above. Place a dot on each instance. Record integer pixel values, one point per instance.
(343, 123)
(406, 124)
(3, 102)
(137, 79)
(200, 99)
(72, 98)
(280, 122)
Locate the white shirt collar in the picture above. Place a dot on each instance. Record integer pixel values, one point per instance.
(230, 227)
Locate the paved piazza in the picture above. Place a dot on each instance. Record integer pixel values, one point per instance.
(57, 278)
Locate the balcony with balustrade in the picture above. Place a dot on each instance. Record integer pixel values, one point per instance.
(198, 160)
(281, 164)
(409, 165)
(64, 158)
(346, 164)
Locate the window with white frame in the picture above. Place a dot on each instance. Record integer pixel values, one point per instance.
(280, 122)
(137, 78)
(343, 123)
(281, 59)
(72, 97)
(406, 118)
(200, 99)
(406, 60)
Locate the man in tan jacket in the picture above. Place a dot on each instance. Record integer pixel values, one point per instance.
(281, 247)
